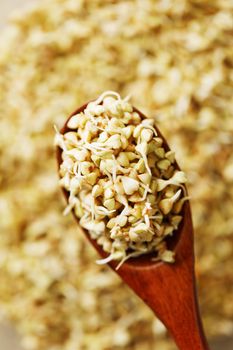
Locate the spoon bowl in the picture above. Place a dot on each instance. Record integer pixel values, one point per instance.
(168, 289)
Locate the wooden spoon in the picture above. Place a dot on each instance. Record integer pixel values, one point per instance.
(168, 289)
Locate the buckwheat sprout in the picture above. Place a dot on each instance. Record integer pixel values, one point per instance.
(103, 210)
(77, 171)
(105, 94)
(141, 149)
(87, 207)
(140, 131)
(137, 222)
(102, 129)
(147, 220)
(112, 256)
(93, 212)
(167, 203)
(83, 218)
(122, 199)
(112, 188)
(114, 169)
(122, 169)
(146, 208)
(127, 257)
(147, 189)
(72, 201)
(106, 260)
(59, 139)
(154, 217)
(157, 226)
(177, 179)
(108, 174)
(95, 146)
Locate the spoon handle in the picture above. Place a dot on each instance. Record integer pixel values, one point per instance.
(175, 299)
(170, 291)
(178, 310)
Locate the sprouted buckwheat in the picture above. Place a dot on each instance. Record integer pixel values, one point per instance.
(122, 183)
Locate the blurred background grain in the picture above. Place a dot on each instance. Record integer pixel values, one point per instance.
(29, 313)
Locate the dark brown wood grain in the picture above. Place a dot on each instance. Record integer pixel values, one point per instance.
(168, 289)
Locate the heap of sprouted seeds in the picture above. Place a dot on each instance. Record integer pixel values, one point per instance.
(123, 185)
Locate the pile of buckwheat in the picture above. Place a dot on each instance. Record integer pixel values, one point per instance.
(122, 184)
(175, 59)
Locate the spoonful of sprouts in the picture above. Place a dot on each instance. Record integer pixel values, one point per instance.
(127, 193)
